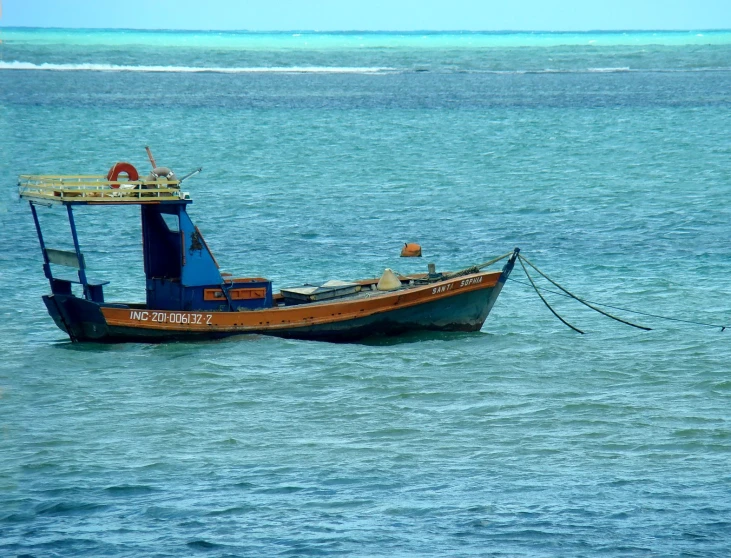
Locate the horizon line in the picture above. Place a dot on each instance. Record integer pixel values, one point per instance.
(374, 31)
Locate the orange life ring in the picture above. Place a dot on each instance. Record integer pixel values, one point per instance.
(122, 168)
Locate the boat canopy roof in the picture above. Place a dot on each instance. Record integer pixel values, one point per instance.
(97, 190)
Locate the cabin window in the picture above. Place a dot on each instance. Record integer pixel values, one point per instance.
(171, 221)
(162, 243)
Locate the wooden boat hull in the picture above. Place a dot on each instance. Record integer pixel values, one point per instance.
(459, 304)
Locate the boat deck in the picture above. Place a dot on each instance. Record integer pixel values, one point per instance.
(367, 290)
(97, 190)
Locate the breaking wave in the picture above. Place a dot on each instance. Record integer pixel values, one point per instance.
(90, 67)
(609, 70)
(188, 69)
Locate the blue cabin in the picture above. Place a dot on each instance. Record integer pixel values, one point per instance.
(180, 270)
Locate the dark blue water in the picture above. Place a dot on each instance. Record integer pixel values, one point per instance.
(525, 439)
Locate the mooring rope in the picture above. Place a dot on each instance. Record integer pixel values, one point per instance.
(495, 260)
(582, 301)
(520, 259)
(476, 268)
(723, 327)
(568, 294)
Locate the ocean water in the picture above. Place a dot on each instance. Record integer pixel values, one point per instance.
(605, 157)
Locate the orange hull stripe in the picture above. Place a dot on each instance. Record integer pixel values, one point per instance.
(297, 316)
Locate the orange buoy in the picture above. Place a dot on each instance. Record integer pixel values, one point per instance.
(411, 250)
(122, 168)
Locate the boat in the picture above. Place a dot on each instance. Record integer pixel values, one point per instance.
(189, 298)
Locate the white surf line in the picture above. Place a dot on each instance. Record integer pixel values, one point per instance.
(188, 69)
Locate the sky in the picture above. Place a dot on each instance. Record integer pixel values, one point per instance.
(371, 15)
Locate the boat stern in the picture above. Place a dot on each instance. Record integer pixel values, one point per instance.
(81, 319)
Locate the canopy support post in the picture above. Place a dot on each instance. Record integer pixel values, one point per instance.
(46, 262)
(77, 248)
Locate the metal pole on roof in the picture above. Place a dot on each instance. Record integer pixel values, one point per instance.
(149, 156)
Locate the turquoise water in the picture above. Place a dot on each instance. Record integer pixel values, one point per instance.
(373, 52)
(607, 163)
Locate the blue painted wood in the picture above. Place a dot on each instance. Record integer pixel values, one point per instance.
(200, 268)
(179, 266)
(88, 292)
(46, 263)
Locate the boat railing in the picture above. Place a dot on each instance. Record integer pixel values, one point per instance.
(97, 189)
